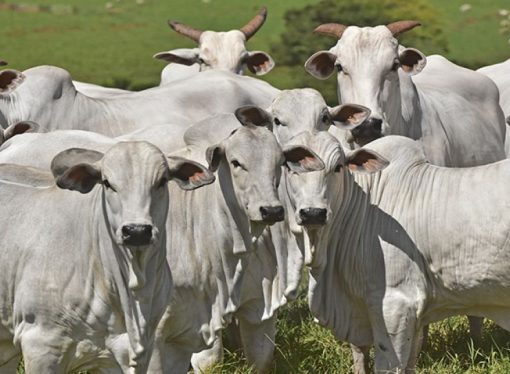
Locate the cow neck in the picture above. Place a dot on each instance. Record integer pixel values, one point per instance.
(402, 107)
(203, 234)
(137, 303)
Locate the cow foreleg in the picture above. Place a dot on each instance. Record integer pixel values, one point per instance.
(258, 343)
(360, 357)
(168, 358)
(395, 334)
(208, 357)
(43, 351)
(475, 329)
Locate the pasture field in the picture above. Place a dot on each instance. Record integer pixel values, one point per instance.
(111, 43)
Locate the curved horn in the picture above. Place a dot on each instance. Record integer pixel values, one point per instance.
(400, 27)
(255, 23)
(334, 30)
(186, 30)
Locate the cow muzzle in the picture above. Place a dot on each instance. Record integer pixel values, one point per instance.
(368, 131)
(313, 216)
(272, 214)
(137, 235)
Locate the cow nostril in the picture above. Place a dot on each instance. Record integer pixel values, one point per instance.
(272, 214)
(313, 216)
(137, 234)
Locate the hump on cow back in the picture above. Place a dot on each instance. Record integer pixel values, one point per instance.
(25, 175)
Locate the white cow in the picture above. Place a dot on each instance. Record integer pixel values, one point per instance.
(216, 50)
(374, 71)
(275, 269)
(409, 246)
(500, 74)
(87, 276)
(47, 96)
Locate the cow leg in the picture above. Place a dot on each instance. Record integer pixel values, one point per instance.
(208, 357)
(425, 339)
(43, 351)
(169, 358)
(475, 329)
(258, 342)
(394, 334)
(360, 357)
(415, 351)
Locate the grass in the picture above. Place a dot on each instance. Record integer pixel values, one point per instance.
(306, 348)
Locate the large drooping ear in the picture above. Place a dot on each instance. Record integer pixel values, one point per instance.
(183, 56)
(213, 155)
(250, 115)
(301, 159)
(19, 128)
(259, 62)
(348, 116)
(412, 61)
(77, 169)
(321, 64)
(188, 174)
(365, 161)
(9, 80)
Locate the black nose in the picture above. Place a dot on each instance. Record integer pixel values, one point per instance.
(313, 216)
(369, 130)
(272, 214)
(137, 234)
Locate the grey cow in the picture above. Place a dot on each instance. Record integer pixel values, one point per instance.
(86, 270)
(457, 127)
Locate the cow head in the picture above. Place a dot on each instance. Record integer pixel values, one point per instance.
(133, 176)
(316, 197)
(367, 61)
(17, 129)
(221, 50)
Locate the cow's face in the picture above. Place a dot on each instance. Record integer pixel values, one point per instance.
(251, 159)
(310, 194)
(367, 61)
(133, 176)
(298, 110)
(223, 51)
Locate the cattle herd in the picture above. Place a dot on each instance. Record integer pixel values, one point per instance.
(139, 225)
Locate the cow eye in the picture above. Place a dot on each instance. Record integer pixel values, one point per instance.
(338, 67)
(277, 121)
(325, 118)
(201, 61)
(161, 183)
(338, 168)
(235, 164)
(395, 66)
(108, 185)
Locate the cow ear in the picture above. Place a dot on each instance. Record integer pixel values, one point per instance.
(412, 61)
(250, 115)
(348, 116)
(76, 169)
(183, 56)
(10, 80)
(259, 62)
(213, 155)
(301, 159)
(188, 174)
(321, 64)
(20, 128)
(365, 161)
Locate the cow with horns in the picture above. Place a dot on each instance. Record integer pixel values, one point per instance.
(216, 50)
(460, 124)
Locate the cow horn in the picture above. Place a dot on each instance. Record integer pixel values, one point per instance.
(186, 30)
(255, 23)
(400, 27)
(334, 30)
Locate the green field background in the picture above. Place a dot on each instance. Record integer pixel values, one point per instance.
(114, 46)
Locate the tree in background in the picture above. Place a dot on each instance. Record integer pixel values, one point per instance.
(298, 42)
